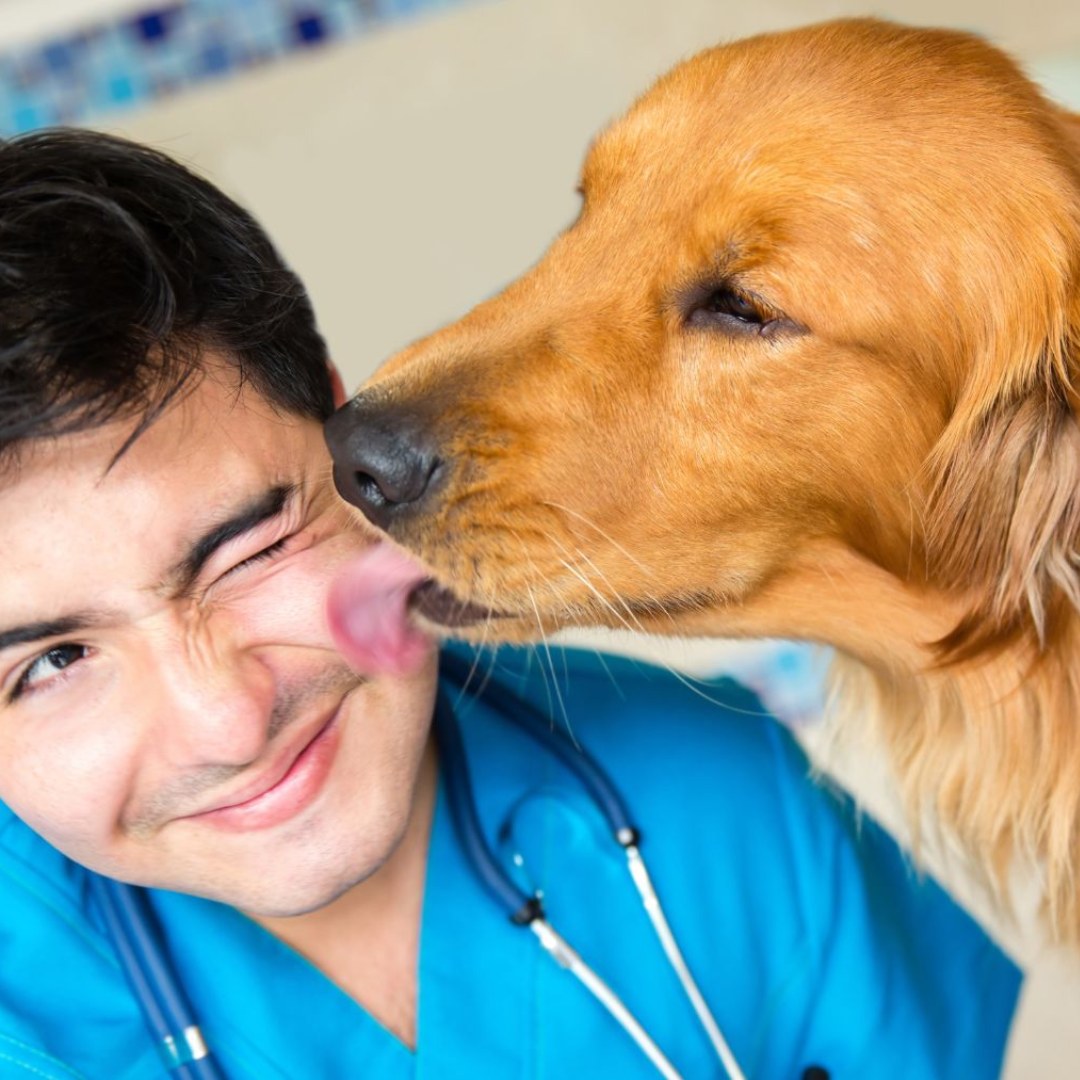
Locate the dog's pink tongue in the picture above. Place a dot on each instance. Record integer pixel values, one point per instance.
(368, 614)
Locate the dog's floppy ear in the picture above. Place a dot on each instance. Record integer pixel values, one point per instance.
(1004, 513)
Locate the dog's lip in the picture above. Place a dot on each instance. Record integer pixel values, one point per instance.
(441, 606)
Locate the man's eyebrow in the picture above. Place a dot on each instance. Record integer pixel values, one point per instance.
(264, 507)
(50, 628)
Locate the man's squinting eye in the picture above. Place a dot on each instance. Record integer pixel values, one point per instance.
(46, 667)
(271, 551)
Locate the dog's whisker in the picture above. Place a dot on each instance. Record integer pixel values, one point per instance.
(693, 684)
(534, 650)
(634, 622)
(607, 537)
(478, 653)
(605, 601)
(544, 644)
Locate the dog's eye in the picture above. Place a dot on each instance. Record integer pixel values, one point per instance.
(725, 306)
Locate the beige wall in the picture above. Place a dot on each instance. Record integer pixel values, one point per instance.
(26, 22)
(410, 173)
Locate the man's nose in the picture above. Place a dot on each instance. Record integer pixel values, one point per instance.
(217, 709)
(386, 459)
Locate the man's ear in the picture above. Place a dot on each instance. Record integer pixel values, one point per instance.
(338, 387)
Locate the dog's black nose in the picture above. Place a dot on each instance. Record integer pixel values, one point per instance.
(385, 459)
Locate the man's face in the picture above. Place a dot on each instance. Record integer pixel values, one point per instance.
(172, 710)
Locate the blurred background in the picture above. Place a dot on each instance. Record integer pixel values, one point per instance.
(410, 157)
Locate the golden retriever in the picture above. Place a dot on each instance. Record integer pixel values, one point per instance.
(802, 367)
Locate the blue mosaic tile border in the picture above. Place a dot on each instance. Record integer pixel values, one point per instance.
(167, 47)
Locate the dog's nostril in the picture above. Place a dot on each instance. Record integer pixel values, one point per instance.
(367, 487)
(386, 460)
(398, 483)
(395, 480)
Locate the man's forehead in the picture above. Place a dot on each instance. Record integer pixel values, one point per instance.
(106, 548)
(213, 450)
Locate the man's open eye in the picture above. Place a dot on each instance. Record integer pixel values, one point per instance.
(47, 666)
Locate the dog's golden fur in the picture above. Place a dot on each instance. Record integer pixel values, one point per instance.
(804, 366)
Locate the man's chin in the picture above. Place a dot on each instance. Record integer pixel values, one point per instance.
(294, 903)
(264, 887)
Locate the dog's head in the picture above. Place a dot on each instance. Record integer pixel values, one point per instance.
(824, 287)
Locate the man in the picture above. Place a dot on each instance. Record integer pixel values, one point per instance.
(174, 714)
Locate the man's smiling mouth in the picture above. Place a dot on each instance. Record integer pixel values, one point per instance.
(286, 787)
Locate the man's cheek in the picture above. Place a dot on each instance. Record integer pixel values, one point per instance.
(289, 606)
(70, 799)
(66, 821)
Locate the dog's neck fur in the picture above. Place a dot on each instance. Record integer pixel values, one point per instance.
(989, 745)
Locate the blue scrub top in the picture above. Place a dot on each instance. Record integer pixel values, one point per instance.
(807, 931)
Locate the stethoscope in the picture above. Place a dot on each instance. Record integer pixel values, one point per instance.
(141, 950)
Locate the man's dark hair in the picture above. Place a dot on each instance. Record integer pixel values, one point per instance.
(119, 267)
